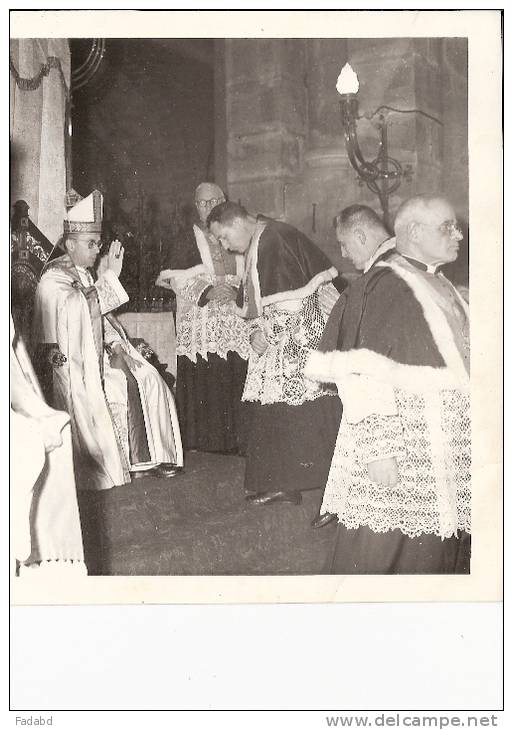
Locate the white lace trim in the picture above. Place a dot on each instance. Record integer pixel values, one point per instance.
(277, 375)
(111, 293)
(433, 451)
(215, 328)
(57, 565)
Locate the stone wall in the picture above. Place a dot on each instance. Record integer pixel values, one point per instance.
(285, 154)
(262, 118)
(266, 122)
(145, 124)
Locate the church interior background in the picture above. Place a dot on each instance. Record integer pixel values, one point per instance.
(145, 121)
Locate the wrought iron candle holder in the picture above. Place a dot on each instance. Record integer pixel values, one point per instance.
(383, 174)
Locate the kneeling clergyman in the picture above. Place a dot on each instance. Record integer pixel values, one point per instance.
(123, 416)
(400, 476)
(287, 295)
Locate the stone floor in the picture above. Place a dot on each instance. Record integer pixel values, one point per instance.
(198, 523)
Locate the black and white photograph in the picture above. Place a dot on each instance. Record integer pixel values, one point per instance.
(240, 323)
(255, 329)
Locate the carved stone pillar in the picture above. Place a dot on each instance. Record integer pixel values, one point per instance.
(330, 181)
(455, 130)
(402, 74)
(285, 150)
(266, 104)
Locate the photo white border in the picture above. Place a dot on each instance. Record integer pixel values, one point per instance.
(485, 223)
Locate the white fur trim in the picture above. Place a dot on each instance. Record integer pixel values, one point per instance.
(387, 245)
(435, 318)
(322, 278)
(458, 290)
(239, 263)
(254, 270)
(174, 278)
(204, 249)
(251, 272)
(291, 305)
(336, 366)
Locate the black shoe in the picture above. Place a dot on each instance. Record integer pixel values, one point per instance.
(167, 470)
(141, 474)
(269, 497)
(323, 520)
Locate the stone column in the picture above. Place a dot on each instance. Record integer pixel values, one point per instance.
(220, 130)
(455, 144)
(403, 74)
(285, 150)
(400, 73)
(330, 181)
(266, 105)
(455, 118)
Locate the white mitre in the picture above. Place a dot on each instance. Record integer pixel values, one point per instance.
(85, 216)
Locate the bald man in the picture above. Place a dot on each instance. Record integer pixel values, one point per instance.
(212, 340)
(400, 476)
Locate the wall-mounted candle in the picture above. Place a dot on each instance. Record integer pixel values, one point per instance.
(347, 82)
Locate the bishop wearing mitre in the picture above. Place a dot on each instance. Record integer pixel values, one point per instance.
(123, 416)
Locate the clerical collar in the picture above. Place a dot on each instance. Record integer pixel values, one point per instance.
(430, 268)
(387, 245)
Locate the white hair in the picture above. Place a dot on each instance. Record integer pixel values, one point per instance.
(213, 186)
(413, 210)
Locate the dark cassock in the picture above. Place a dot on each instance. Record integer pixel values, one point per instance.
(287, 294)
(212, 342)
(400, 360)
(123, 416)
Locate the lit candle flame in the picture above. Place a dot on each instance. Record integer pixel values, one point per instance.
(347, 82)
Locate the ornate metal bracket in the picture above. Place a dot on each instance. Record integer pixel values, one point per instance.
(384, 174)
